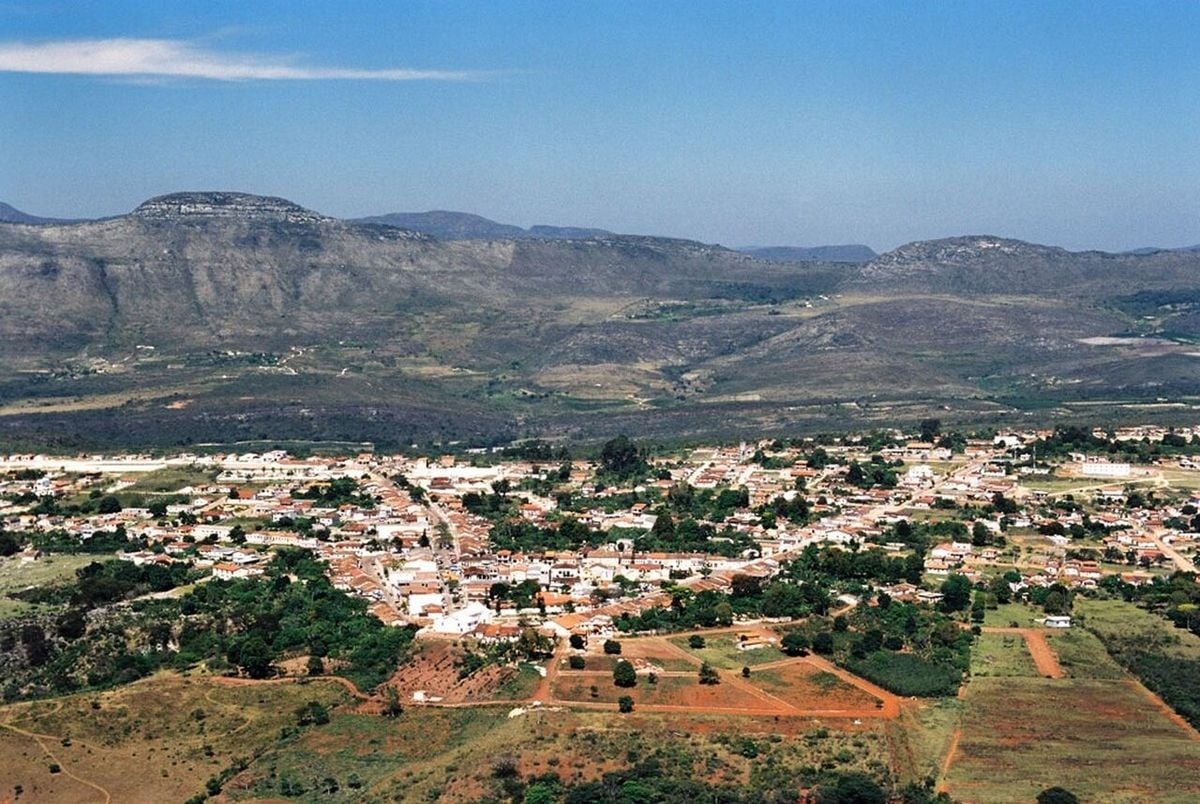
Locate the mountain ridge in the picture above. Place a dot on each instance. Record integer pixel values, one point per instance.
(220, 315)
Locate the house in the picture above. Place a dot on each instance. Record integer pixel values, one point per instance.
(1058, 621)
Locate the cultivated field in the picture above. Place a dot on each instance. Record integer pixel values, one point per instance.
(1103, 740)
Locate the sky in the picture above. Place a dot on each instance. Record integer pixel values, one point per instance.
(742, 123)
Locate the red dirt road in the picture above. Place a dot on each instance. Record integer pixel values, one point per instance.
(1043, 655)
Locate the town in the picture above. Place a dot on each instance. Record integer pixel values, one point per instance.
(412, 536)
(879, 611)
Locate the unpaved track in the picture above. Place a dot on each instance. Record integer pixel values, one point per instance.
(40, 740)
(1043, 655)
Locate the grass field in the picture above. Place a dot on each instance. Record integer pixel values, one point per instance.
(1118, 618)
(721, 651)
(1001, 655)
(1102, 740)
(17, 574)
(520, 685)
(165, 481)
(921, 736)
(1082, 655)
(1007, 614)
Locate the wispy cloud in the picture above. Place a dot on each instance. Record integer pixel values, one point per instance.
(172, 58)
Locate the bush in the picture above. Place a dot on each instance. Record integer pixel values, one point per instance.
(709, 675)
(576, 663)
(625, 704)
(612, 647)
(695, 641)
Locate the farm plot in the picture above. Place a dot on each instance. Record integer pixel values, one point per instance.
(1001, 654)
(811, 689)
(1103, 740)
(722, 650)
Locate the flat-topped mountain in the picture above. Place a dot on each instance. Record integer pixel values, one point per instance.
(213, 315)
(241, 206)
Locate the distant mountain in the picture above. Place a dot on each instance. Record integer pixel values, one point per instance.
(10, 214)
(464, 226)
(218, 316)
(1152, 249)
(848, 253)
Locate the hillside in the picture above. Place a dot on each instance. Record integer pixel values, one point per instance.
(219, 316)
(10, 214)
(848, 253)
(464, 226)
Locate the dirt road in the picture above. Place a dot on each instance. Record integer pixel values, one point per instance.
(1043, 655)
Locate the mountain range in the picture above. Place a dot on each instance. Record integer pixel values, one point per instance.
(228, 317)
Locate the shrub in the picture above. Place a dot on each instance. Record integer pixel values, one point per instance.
(695, 641)
(576, 663)
(612, 647)
(625, 704)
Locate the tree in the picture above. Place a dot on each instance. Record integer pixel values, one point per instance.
(1000, 588)
(391, 704)
(612, 647)
(625, 704)
(621, 458)
(1057, 601)
(723, 611)
(254, 657)
(852, 788)
(823, 643)
(576, 663)
(624, 675)
(316, 666)
(695, 642)
(930, 429)
(71, 624)
(1057, 795)
(709, 675)
(577, 641)
(956, 593)
(794, 643)
(745, 672)
(109, 505)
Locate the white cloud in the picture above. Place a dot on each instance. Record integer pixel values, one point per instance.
(167, 57)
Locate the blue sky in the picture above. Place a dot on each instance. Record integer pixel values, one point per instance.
(1076, 124)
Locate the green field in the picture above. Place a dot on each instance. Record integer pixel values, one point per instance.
(17, 574)
(1102, 740)
(720, 650)
(1012, 614)
(1001, 655)
(1120, 619)
(1082, 655)
(171, 479)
